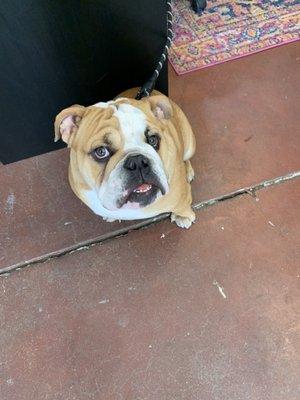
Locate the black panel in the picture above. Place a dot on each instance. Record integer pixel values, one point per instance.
(60, 52)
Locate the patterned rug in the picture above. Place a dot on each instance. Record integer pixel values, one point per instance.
(230, 29)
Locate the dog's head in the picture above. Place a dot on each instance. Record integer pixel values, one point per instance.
(122, 152)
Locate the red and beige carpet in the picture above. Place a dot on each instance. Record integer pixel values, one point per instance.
(230, 29)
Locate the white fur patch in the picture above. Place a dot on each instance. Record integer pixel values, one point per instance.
(101, 104)
(133, 125)
(94, 203)
(103, 200)
(107, 104)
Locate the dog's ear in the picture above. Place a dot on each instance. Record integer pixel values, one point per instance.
(67, 122)
(161, 106)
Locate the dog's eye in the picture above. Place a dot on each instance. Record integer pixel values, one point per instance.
(101, 153)
(153, 140)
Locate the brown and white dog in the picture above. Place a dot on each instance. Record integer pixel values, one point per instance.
(130, 159)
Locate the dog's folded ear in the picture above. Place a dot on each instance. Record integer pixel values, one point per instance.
(161, 106)
(67, 122)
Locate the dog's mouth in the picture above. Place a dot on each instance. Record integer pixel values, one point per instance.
(142, 192)
(143, 188)
(141, 195)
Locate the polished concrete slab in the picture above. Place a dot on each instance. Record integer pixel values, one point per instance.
(211, 313)
(246, 118)
(162, 313)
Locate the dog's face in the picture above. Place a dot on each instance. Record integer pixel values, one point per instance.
(122, 153)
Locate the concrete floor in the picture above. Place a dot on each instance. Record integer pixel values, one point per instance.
(160, 313)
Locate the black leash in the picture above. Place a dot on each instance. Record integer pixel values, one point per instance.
(147, 88)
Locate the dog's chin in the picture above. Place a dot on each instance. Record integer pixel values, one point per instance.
(140, 196)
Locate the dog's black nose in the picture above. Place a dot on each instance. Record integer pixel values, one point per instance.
(138, 162)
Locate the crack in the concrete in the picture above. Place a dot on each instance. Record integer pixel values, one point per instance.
(85, 245)
(251, 190)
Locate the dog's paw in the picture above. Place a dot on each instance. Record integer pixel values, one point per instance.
(183, 222)
(106, 219)
(190, 174)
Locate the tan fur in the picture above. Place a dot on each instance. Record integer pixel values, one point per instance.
(93, 127)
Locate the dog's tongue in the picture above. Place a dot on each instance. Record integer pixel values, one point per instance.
(145, 187)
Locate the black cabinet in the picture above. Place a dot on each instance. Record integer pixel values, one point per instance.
(57, 53)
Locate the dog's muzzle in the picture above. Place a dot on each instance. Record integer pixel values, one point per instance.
(142, 184)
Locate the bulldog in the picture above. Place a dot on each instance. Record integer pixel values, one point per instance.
(130, 159)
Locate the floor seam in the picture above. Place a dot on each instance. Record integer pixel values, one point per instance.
(250, 190)
(85, 245)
